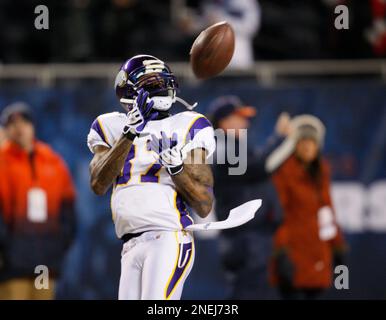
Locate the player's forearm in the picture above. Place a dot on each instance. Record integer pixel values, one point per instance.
(198, 195)
(109, 165)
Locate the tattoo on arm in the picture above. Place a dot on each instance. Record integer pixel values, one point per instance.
(107, 164)
(195, 182)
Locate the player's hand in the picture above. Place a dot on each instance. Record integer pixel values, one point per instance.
(140, 115)
(169, 153)
(283, 125)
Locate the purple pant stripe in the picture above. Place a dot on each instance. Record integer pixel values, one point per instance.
(184, 256)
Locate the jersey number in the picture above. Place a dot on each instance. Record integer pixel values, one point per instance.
(151, 174)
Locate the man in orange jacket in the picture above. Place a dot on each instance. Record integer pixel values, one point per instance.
(37, 216)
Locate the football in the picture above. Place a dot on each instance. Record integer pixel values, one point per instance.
(212, 50)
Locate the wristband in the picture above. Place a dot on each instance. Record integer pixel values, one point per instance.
(129, 133)
(175, 170)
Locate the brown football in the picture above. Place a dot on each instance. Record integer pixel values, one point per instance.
(212, 50)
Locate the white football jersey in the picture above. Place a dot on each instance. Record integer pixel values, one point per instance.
(144, 196)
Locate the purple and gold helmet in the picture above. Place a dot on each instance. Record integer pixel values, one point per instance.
(148, 73)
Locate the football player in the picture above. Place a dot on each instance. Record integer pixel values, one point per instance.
(146, 154)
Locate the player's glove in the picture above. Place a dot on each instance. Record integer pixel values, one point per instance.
(171, 159)
(140, 115)
(169, 153)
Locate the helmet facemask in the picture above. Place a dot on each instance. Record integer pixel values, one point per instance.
(161, 88)
(154, 77)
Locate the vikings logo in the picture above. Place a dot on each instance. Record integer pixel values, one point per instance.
(121, 79)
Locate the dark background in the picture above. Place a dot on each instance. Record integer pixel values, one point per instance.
(112, 30)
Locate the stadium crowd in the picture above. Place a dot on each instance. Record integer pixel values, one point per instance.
(98, 30)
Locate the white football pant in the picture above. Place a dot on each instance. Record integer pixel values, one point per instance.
(155, 265)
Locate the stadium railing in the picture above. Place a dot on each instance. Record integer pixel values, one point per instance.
(266, 72)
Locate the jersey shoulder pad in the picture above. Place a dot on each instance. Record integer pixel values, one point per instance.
(197, 122)
(191, 115)
(199, 132)
(108, 119)
(105, 129)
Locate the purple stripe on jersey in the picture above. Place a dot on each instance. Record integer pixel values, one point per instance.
(184, 214)
(184, 257)
(197, 125)
(96, 126)
(126, 172)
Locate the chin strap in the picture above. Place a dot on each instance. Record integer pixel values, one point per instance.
(125, 102)
(187, 105)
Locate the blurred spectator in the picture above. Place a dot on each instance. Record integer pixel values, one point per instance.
(309, 242)
(243, 15)
(99, 30)
(245, 250)
(37, 213)
(377, 33)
